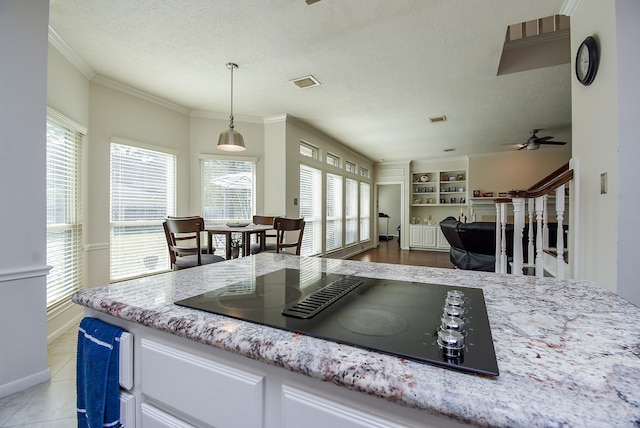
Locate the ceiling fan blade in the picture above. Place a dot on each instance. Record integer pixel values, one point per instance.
(523, 146)
(555, 143)
(310, 2)
(541, 139)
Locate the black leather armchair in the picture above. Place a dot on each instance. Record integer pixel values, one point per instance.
(473, 245)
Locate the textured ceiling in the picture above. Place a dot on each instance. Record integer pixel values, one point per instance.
(385, 66)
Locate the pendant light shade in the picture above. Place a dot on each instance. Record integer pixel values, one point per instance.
(231, 140)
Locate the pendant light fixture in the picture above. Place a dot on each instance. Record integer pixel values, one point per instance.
(231, 140)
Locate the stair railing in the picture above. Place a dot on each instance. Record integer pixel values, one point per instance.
(535, 201)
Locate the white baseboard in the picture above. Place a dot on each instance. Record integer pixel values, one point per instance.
(25, 383)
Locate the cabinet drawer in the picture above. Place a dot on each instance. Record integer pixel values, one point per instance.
(156, 418)
(216, 394)
(303, 409)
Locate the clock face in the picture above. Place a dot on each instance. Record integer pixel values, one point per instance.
(583, 62)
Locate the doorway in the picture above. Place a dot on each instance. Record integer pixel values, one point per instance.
(390, 211)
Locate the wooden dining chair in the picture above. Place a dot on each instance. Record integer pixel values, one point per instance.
(292, 225)
(183, 241)
(255, 248)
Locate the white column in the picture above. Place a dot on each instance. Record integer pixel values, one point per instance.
(518, 226)
(560, 232)
(503, 238)
(498, 268)
(539, 215)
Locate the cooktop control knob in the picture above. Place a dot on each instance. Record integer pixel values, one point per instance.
(455, 293)
(451, 342)
(452, 323)
(455, 301)
(454, 311)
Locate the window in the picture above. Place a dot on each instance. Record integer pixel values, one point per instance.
(311, 209)
(364, 172)
(143, 183)
(64, 228)
(350, 167)
(334, 212)
(228, 188)
(351, 211)
(333, 160)
(365, 211)
(308, 150)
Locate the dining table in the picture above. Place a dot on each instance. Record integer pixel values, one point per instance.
(245, 229)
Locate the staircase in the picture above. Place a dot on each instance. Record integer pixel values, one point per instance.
(544, 258)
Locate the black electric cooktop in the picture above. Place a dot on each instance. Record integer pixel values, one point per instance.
(430, 323)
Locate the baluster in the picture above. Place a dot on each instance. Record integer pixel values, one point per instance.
(503, 231)
(545, 223)
(539, 215)
(498, 268)
(531, 248)
(560, 232)
(518, 226)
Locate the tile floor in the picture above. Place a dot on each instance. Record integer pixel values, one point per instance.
(51, 404)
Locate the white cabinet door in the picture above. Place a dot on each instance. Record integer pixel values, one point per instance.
(429, 236)
(415, 236)
(214, 393)
(442, 241)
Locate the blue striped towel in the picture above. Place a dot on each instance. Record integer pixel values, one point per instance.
(97, 369)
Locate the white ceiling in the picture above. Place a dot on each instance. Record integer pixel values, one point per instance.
(385, 66)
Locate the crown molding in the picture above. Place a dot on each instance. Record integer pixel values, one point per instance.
(225, 116)
(66, 51)
(569, 7)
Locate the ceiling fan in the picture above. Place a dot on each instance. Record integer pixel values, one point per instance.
(534, 142)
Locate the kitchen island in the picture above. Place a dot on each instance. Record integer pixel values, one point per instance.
(568, 354)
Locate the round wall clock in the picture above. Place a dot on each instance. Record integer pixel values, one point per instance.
(587, 60)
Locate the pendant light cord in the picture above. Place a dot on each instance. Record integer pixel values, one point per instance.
(231, 66)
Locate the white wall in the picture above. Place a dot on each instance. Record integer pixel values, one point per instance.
(204, 132)
(595, 147)
(23, 269)
(628, 37)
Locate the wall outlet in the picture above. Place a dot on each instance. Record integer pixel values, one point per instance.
(295, 201)
(603, 183)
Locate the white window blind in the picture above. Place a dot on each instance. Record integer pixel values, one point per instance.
(351, 211)
(228, 189)
(333, 226)
(365, 211)
(311, 209)
(143, 183)
(64, 229)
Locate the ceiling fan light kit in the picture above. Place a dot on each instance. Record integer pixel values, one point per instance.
(534, 142)
(231, 140)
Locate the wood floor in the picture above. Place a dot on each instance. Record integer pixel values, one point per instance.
(390, 252)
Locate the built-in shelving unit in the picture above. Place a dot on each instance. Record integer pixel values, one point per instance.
(439, 188)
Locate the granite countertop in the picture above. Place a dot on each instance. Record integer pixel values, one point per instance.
(568, 351)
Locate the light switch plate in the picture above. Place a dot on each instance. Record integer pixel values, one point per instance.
(603, 183)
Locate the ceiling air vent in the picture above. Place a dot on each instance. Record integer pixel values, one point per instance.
(306, 82)
(438, 119)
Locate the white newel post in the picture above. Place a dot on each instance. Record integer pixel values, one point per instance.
(560, 232)
(503, 237)
(539, 261)
(518, 226)
(498, 268)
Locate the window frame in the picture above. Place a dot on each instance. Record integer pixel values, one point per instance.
(67, 275)
(155, 244)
